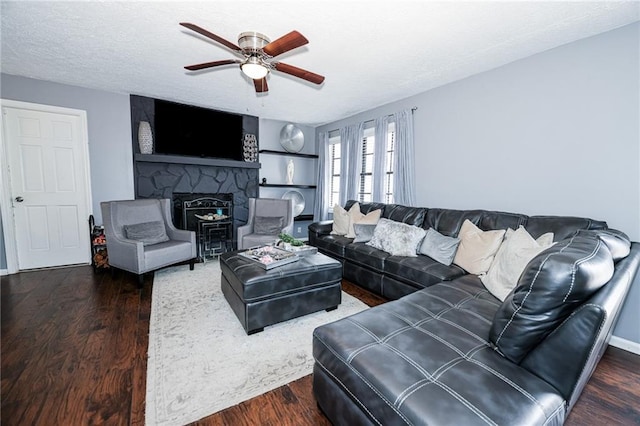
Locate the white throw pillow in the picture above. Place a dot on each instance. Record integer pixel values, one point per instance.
(342, 219)
(396, 238)
(514, 254)
(477, 248)
(370, 218)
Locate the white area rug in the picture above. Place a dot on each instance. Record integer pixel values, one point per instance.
(200, 358)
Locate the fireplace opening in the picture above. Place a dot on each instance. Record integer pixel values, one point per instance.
(210, 216)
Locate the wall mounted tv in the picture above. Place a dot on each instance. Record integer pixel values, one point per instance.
(196, 132)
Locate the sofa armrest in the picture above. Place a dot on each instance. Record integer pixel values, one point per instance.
(567, 357)
(242, 231)
(126, 254)
(321, 228)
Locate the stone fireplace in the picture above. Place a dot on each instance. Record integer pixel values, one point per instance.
(156, 179)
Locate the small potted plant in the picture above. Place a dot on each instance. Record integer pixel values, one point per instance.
(287, 241)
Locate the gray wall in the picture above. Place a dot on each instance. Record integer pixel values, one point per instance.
(555, 133)
(109, 128)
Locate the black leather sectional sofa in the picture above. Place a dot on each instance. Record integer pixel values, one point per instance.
(447, 351)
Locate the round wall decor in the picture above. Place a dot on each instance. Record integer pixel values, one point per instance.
(291, 138)
(297, 199)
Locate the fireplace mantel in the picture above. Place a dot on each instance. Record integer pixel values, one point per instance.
(179, 159)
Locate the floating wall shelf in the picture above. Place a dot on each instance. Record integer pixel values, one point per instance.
(291, 154)
(179, 159)
(284, 185)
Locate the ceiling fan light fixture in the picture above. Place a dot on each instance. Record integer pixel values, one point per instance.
(254, 68)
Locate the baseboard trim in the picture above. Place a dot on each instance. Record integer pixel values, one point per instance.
(625, 344)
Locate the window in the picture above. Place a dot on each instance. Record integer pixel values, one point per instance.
(367, 160)
(365, 190)
(334, 171)
(388, 177)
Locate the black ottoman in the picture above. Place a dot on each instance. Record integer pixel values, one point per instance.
(261, 298)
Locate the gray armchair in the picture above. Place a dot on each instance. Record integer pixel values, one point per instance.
(268, 218)
(141, 236)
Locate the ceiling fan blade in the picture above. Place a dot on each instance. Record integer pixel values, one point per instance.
(261, 85)
(299, 72)
(211, 64)
(285, 43)
(211, 35)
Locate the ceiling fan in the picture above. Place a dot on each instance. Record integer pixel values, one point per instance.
(258, 51)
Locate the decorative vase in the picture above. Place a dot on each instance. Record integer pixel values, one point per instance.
(250, 148)
(145, 138)
(290, 172)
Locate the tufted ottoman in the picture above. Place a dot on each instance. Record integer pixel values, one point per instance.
(260, 298)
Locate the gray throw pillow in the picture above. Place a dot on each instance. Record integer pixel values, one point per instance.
(147, 232)
(268, 225)
(439, 247)
(397, 238)
(364, 232)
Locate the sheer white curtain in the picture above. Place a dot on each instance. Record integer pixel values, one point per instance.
(351, 147)
(321, 209)
(403, 169)
(381, 128)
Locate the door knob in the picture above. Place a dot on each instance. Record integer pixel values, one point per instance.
(19, 199)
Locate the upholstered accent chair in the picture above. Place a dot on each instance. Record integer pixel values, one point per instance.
(141, 236)
(268, 218)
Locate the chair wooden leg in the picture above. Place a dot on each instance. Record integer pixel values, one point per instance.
(191, 263)
(140, 280)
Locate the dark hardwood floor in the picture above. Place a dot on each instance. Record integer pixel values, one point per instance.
(74, 347)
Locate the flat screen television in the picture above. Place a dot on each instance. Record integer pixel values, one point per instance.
(196, 132)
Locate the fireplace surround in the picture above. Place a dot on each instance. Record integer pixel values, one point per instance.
(163, 180)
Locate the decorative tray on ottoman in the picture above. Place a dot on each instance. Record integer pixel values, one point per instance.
(269, 257)
(304, 250)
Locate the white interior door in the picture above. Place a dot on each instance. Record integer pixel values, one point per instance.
(48, 173)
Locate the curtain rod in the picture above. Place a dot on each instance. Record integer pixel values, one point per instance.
(389, 115)
(413, 109)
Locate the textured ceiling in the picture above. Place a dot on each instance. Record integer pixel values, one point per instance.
(371, 53)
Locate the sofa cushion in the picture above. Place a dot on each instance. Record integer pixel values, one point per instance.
(409, 362)
(365, 207)
(561, 226)
(618, 242)
(147, 232)
(501, 220)
(366, 255)
(477, 248)
(333, 245)
(552, 285)
(409, 215)
(421, 271)
(396, 238)
(449, 222)
(517, 249)
(439, 247)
